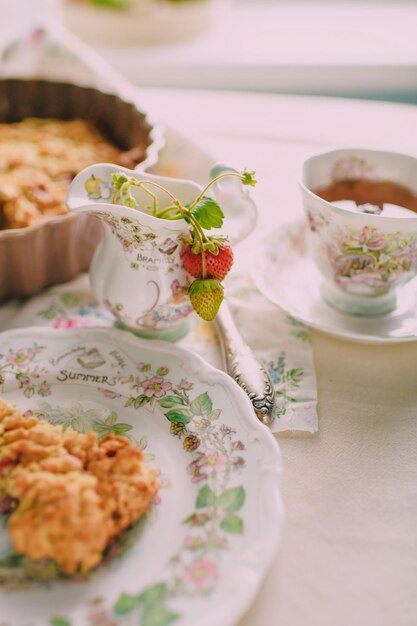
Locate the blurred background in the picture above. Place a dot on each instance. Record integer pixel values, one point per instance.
(361, 49)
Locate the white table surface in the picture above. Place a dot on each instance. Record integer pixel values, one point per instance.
(320, 46)
(348, 553)
(281, 46)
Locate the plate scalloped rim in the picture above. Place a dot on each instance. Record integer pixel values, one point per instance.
(254, 561)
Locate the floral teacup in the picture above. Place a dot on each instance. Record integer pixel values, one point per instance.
(137, 272)
(363, 253)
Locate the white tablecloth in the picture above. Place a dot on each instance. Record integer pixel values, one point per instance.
(348, 553)
(349, 549)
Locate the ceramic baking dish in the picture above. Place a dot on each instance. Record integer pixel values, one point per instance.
(61, 247)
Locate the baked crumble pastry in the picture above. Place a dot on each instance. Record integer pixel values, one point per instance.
(38, 160)
(68, 495)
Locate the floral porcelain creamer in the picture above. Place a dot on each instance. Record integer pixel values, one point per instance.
(362, 257)
(137, 273)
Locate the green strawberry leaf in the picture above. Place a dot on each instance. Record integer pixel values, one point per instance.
(214, 415)
(101, 430)
(48, 314)
(205, 497)
(121, 429)
(232, 524)
(204, 285)
(111, 419)
(129, 201)
(60, 621)
(125, 603)
(153, 594)
(208, 213)
(176, 415)
(69, 299)
(232, 499)
(119, 180)
(168, 401)
(138, 401)
(155, 615)
(202, 405)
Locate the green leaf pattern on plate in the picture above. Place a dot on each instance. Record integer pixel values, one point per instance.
(215, 460)
(216, 456)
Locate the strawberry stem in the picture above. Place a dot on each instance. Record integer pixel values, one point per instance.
(202, 193)
(200, 236)
(176, 210)
(153, 196)
(142, 184)
(167, 211)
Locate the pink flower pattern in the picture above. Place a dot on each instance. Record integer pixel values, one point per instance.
(368, 239)
(365, 260)
(215, 461)
(198, 567)
(185, 384)
(70, 322)
(21, 357)
(195, 468)
(201, 573)
(155, 387)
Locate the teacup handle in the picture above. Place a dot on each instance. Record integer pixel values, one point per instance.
(239, 209)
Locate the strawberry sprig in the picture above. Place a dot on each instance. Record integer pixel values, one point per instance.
(207, 258)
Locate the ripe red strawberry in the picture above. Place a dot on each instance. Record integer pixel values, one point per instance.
(217, 265)
(206, 295)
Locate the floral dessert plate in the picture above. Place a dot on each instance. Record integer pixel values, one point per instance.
(205, 544)
(295, 288)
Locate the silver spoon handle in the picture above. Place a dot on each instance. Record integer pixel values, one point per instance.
(243, 365)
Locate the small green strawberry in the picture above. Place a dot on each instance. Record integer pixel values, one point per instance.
(206, 295)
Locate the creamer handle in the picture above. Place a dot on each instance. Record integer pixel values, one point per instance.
(239, 208)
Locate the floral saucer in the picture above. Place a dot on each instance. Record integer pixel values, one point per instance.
(286, 275)
(213, 528)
